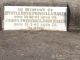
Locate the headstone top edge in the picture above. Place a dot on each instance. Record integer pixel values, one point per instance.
(35, 4)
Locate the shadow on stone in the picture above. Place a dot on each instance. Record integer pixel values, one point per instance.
(68, 17)
(0, 20)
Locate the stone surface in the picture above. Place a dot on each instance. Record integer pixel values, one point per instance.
(39, 45)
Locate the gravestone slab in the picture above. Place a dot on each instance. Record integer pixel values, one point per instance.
(35, 18)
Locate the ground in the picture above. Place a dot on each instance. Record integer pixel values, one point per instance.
(39, 45)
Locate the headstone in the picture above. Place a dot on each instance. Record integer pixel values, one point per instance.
(35, 18)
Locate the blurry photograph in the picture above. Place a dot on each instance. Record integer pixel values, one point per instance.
(39, 30)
